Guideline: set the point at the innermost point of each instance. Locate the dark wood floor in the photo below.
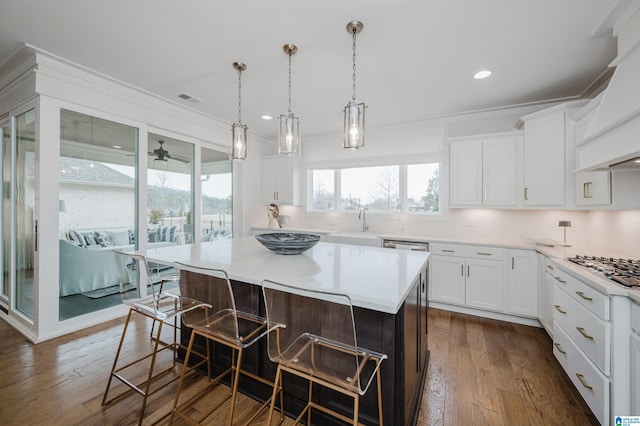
(481, 372)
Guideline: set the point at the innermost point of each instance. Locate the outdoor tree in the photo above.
(431, 201)
(385, 194)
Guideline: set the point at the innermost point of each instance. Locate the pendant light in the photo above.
(289, 136)
(353, 137)
(239, 130)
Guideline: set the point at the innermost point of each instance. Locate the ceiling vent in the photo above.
(187, 97)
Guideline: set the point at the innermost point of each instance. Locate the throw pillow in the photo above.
(152, 235)
(132, 237)
(89, 238)
(78, 238)
(119, 238)
(103, 239)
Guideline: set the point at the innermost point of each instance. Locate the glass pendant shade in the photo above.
(239, 130)
(239, 141)
(353, 137)
(289, 139)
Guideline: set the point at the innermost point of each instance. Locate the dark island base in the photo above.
(402, 337)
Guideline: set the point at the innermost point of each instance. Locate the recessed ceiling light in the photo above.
(482, 74)
(117, 147)
(267, 117)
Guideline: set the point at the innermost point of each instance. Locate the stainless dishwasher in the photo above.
(406, 245)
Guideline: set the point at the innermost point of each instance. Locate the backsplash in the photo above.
(615, 231)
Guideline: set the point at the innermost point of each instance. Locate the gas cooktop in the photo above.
(625, 272)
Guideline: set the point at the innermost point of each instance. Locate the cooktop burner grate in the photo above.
(625, 272)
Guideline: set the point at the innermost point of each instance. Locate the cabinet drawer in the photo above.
(635, 317)
(593, 300)
(590, 382)
(473, 252)
(589, 332)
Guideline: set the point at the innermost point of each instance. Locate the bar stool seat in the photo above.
(315, 339)
(219, 321)
(161, 307)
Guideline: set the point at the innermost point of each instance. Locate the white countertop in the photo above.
(374, 278)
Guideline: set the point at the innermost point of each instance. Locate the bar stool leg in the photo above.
(379, 382)
(236, 379)
(277, 387)
(185, 366)
(115, 361)
(150, 375)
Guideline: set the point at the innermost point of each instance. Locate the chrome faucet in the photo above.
(363, 215)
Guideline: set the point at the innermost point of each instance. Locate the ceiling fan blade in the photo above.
(178, 158)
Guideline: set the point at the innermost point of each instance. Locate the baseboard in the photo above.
(533, 322)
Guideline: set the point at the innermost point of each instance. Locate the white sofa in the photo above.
(90, 267)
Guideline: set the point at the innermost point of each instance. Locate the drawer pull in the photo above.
(583, 381)
(559, 310)
(550, 267)
(559, 348)
(448, 251)
(584, 333)
(483, 254)
(581, 294)
(560, 280)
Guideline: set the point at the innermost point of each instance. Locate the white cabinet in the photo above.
(593, 188)
(485, 282)
(583, 342)
(483, 171)
(281, 180)
(522, 288)
(635, 359)
(544, 158)
(470, 276)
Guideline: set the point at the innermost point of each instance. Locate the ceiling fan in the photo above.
(161, 154)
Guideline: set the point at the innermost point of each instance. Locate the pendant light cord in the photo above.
(239, 95)
(354, 66)
(289, 81)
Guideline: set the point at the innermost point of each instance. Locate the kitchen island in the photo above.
(388, 289)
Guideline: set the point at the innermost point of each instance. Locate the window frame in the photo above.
(402, 190)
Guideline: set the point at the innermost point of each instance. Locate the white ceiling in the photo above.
(415, 58)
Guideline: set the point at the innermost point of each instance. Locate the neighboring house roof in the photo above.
(76, 170)
(86, 171)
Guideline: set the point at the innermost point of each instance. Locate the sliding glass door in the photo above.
(97, 209)
(24, 220)
(5, 213)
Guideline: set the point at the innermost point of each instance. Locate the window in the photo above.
(217, 197)
(412, 188)
(322, 190)
(371, 188)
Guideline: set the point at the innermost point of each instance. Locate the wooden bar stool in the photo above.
(138, 291)
(219, 321)
(316, 340)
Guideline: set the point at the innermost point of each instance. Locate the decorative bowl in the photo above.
(288, 242)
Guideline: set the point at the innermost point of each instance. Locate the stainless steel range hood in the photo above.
(612, 140)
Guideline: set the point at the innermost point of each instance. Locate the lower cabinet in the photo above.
(485, 278)
(635, 359)
(467, 275)
(415, 342)
(523, 283)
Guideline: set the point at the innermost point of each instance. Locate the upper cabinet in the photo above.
(281, 180)
(544, 158)
(483, 171)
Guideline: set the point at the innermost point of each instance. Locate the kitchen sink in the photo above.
(355, 237)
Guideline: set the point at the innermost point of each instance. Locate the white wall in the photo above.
(617, 231)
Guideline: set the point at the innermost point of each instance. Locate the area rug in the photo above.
(115, 289)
